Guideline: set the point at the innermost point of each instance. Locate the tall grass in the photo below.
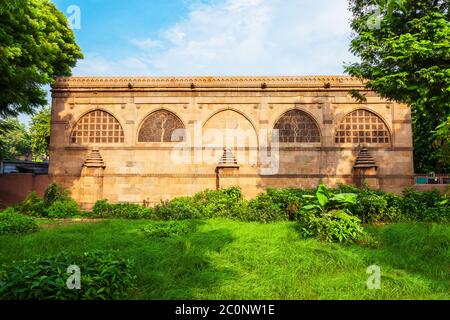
(224, 259)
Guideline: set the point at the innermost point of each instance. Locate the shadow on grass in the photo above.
(420, 248)
(181, 267)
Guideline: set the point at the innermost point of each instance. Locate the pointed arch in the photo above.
(97, 126)
(362, 126)
(159, 126)
(297, 126)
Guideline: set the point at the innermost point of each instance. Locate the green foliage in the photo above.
(103, 209)
(56, 204)
(63, 209)
(13, 223)
(168, 229)
(33, 206)
(407, 59)
(215, 203)
(55, 192)
(179, 209)
(14, 139)
(325, 200)
(331, 226)
(326, 216)
(427, 206)
(40, 134)
(36, 44)
(372, 206)
(103, 276)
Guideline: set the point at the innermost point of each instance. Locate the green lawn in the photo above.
(224, 259)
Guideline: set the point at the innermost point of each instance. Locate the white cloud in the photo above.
(96, 65)
(146, 44)
(245, 37)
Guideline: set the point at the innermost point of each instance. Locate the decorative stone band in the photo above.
(192, 83)
(213, 175)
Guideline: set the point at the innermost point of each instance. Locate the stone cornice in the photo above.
(192, 83)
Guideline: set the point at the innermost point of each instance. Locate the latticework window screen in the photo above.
(97, 127)
(297, 126)
(159, 127)
(362, 126)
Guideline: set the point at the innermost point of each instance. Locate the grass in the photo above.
(225, 259)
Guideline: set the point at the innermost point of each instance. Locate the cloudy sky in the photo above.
(211, 37)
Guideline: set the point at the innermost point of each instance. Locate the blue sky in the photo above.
(211, 37)
(215, 37)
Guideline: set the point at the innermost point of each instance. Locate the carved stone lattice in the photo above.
(362, 126)
(297, 126)
(97, 127)
(159, 127)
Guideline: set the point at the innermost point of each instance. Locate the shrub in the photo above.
(216, 203)
(53, 193)
(328, 218)
(262, 209)
(33, 205)
(427, 206)
(103, 209)
(13, 223)
(178, 209)
(56, 204)
(332, 226)
(168, 229)
(63, 209)
(103, 276)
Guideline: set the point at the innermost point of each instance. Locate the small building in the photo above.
(135, 139)
(16, 166)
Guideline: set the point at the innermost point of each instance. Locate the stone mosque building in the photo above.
(143, 140)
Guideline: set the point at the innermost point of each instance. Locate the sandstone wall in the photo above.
(137, 171)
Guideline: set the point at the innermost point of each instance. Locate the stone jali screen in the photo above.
(362, 126)
(97, 127)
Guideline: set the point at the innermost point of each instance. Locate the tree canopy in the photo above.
(406, 58)
(15, 140)
(40, 134)
(36, 45)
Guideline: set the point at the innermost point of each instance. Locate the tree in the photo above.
(40, 134)
(14, 140)
(405, 57)
(36, 45)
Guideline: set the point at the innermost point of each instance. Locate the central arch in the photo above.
(231, 129)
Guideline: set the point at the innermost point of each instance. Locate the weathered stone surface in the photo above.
(210, 113)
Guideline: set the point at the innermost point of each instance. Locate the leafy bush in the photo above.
(63, 209)
(427, 206)
(56, 204)
(262, 209)
(168, 229)
(53, 193)
(328, 218)
(13, 223)
(331, 226)
(103, 209)
(374, 206)
(178, 209)
(216, 203)
(33, 206)
(103, 276)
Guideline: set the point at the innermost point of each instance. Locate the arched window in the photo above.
(297, 126)
(97, 127)
(362, 126)
(159, 127)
